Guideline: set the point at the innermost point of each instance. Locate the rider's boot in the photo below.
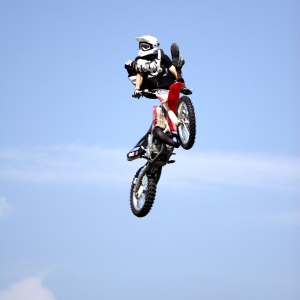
(178, 62)
(177, 58)
(138, 150)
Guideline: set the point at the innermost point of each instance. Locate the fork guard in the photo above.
(159, 134)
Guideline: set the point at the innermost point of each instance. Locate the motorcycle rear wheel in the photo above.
(141, 202)
(157, 175)
(186, 114)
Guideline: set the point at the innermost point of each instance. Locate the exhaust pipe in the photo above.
(159, 134)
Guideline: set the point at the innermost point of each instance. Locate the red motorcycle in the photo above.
(173, 125)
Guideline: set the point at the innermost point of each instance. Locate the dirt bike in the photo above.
(173, 125)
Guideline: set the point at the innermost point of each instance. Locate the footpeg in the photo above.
(171, 161)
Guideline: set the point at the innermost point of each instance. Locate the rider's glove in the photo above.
(186, 91)
(137, 93)
(130, 65)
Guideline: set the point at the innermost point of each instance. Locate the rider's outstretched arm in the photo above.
(139, 81)
(137, 93)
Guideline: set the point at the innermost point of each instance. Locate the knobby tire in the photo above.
(192, 122)
(149, 195)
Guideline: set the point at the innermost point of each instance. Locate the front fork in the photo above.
(138, 180)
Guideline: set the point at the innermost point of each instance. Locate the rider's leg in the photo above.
(177, 58)
(178, 62)
(166, 81)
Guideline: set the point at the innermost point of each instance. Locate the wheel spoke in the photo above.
(139, 198)
(186, 114)
(142, 201)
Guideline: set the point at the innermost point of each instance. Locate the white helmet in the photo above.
(147, 45)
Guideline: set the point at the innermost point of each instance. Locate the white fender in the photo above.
(173, 117)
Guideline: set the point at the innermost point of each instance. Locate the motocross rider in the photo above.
(153, 69)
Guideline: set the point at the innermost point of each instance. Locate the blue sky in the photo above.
(225, 222)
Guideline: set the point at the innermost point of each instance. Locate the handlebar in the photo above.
(149, 94)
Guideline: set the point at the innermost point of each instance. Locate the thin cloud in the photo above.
(27, 289)
(95, 164)
(63, 164)
(239, 169)
(5, 208)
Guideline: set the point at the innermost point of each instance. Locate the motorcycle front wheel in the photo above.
(187, 129)
(141, 201)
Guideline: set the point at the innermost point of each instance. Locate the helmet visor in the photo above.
(145, 46)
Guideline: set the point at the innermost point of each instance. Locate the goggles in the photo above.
(145, 46)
